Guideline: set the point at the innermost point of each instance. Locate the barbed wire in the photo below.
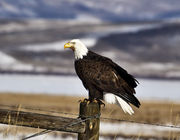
(37, 134)
(145, 123)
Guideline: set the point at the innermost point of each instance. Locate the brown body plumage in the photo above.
(100, 74)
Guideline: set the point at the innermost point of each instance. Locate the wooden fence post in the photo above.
(91, 125)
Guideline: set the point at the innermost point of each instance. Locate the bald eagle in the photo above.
(104, 79)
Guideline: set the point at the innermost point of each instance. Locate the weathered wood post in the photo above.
(92, 125)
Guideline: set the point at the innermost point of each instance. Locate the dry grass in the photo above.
(150, 112)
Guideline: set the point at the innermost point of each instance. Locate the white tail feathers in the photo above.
(125, 106)
(113, 99)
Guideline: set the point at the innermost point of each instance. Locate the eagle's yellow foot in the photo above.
(95, 100)
(100, 102)
(84, 100)
(88, 101)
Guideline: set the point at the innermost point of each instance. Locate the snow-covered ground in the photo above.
(72, 86)
(133, 129)
(106, 128)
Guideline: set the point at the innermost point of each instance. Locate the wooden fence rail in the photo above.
(87, 129)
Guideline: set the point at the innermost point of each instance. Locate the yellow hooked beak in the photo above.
(68, 45)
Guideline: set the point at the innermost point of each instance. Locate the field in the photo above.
(149, 112)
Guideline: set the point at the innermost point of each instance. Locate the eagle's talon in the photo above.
(95, 100)
(101, 102)
(85, 100)
(88, 102)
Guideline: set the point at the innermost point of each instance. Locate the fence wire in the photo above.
(145, 123)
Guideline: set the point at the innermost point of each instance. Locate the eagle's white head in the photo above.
(78, 47)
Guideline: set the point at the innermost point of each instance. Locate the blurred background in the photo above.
(142, 36)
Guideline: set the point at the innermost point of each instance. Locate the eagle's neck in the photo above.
(80, 51)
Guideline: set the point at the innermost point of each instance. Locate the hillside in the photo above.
(145, 49)
(154, 52)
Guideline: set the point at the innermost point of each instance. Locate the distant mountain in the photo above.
(91, 10)
(151, 45)
(147, 49)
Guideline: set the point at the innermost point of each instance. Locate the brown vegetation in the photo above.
(149, 112)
